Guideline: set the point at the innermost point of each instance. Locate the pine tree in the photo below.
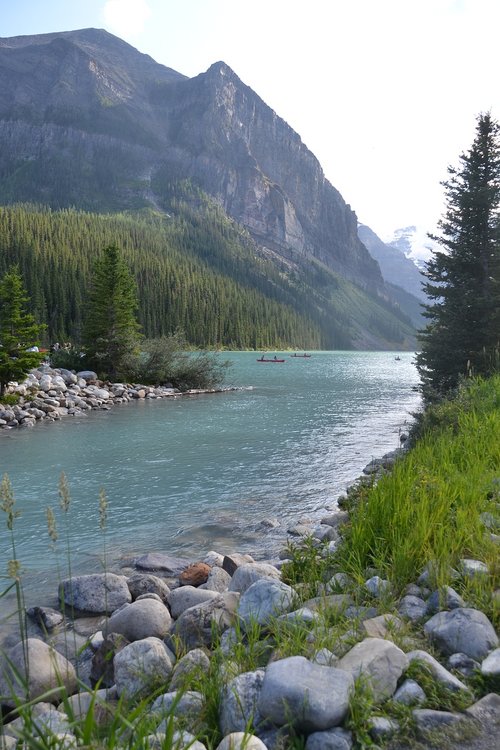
(19, 331)
(111, 330)
(464, 281)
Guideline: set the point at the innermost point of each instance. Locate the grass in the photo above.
(430, 509)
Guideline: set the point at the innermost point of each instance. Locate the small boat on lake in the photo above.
(302, 356)
(273, 359)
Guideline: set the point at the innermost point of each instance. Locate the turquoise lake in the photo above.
(196, 473)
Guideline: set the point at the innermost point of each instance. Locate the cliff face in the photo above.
(87, 120)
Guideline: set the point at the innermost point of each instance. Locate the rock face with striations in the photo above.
(127, 124)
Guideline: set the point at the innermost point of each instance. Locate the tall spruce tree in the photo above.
(464, 281)
(111, 330)
(19, 331)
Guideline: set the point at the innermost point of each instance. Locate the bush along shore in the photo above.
(52, 393)
(378, 629)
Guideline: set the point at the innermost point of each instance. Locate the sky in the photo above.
(385, 93)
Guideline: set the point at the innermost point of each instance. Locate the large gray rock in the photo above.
(427, 720)
(264, 600)
(241, 741)
(141, 667)
(188, 596)
(409, 693)
(239, 704)
(218, 580)
(246, 574)
(190, 668)
(490, 667)
(152, 561)
(444, 598)
(96, 593)
(439, 673)
(141, 619)
(380, 661)
(333, 739)
(146, 583)
(187, 705)
(463, 630)
(87, 375)
(198, 625)
(306, 695)
(47, 670)
(412, 608)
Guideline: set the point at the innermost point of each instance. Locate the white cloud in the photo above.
(126, 18)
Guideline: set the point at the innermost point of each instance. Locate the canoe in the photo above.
(261, 359)
(301, 356)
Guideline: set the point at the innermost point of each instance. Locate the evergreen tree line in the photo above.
(195, 270)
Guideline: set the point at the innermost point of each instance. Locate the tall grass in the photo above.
(429, 508)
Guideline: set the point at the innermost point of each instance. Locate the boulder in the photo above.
(444, 598)
(264, 600)
(141, 667)
(490, 667)
(239, 703)
(172, 566)
(427, 720)
(305, 695)
(188, 706)
(333, 739)
(380, 661)
(45, 617)
(47, 670)
(87, 375)
(465, 630)
(198, 625)
(195, 574)
(102, 662)
(439, 673)
(141, 619)
(241, 741)
(409, 693)
(234, 560)
(188, 596)
(248, 573)
(97, 592)
(218, 580)
(190, 668)
(145, 583)
(412, 608)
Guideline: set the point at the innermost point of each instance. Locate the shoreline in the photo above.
(50, 394)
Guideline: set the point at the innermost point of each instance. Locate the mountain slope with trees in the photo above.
(196, 271)
(87, 122)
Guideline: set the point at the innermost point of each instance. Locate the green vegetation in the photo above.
(111, 331)
(429, 508)
(195, 271)
(18, 331)
(463, 335)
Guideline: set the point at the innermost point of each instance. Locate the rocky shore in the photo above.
(51, 394)
(155, 630)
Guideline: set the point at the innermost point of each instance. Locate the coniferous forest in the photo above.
(196, 271)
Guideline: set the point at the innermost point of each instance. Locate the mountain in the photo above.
(414, 244)
(88, 122)
(396, 267)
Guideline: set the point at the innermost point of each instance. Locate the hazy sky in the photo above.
(384, 92)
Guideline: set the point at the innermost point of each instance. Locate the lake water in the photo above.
(196, 473)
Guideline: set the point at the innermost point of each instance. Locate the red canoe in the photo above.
(261, 359)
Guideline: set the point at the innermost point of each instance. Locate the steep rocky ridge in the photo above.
(86, 120)
(395, 266)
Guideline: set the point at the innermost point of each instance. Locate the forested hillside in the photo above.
(197, 271)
